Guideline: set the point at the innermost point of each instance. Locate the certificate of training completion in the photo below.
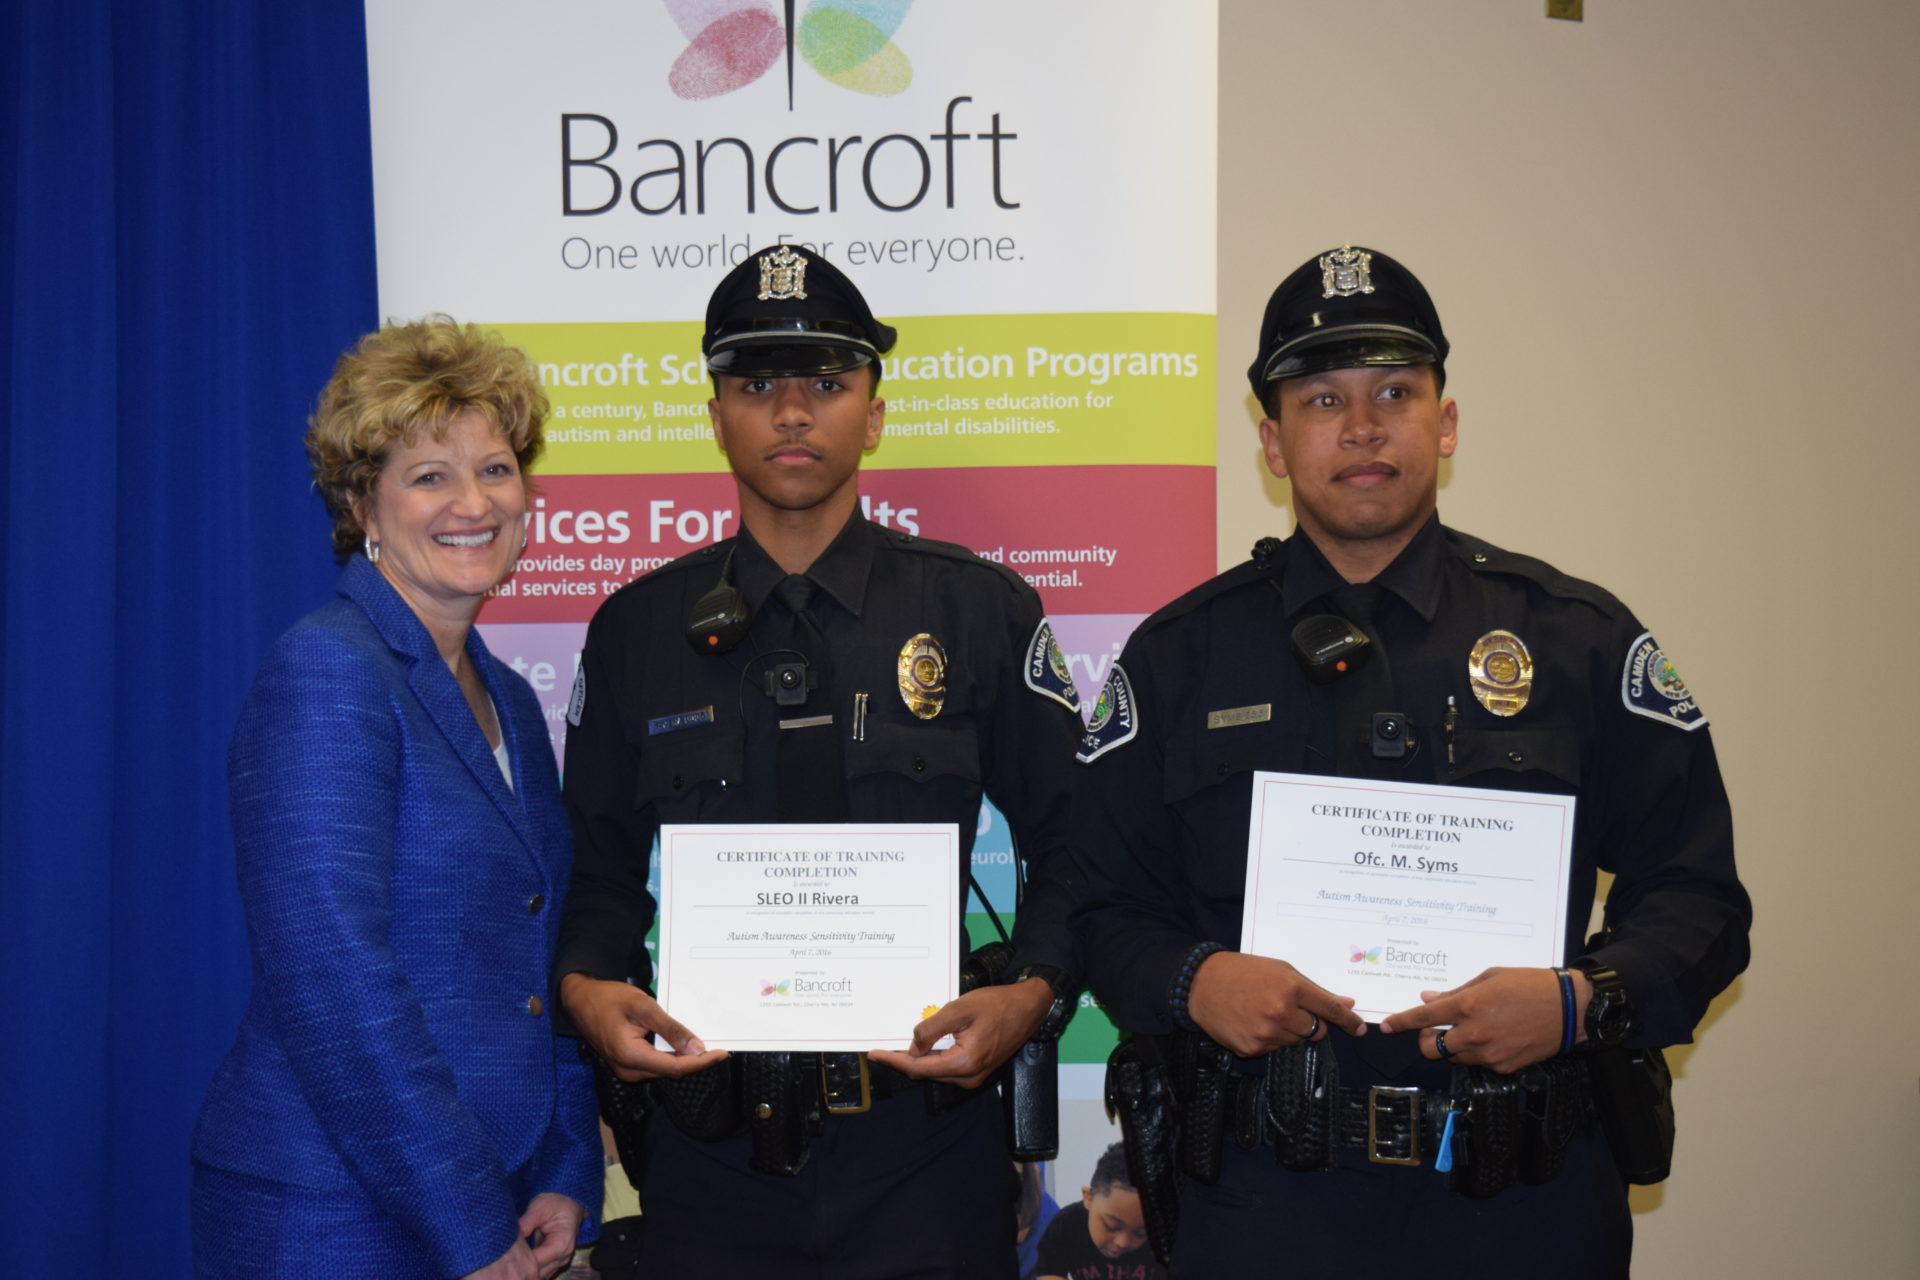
(781, 936)
(1382, 890)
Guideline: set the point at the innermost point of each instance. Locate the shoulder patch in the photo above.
(1116, 718)
(1651, 687)
(577, 703)
(1047, 672)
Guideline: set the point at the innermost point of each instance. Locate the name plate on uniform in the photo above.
(830, 937)
(1382, 890)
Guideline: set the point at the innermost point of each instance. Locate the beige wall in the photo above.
(1677, 250)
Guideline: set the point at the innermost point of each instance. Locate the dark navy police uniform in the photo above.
(665, 734)
(1167, 802)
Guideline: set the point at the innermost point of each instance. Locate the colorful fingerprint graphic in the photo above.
(732, 43)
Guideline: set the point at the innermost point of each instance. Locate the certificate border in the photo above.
(1566, 804)
(669, 833)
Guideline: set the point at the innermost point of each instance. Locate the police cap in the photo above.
(786, 313)
(1348, 307)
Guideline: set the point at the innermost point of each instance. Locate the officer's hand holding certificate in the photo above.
(833, 937)
(1385, 890)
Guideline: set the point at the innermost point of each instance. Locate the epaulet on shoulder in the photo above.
(953, 551)
(1483, 557)
(1265, 567)
(709, 556)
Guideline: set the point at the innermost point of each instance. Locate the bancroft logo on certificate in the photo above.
(795, 937)
(1382, 890)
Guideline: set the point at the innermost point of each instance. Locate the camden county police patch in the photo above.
(1115, 718)
(1047, 668)
(1651, 687)
(577, 704)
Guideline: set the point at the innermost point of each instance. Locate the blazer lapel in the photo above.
(439, 693)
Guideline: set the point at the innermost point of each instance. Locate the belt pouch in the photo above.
(1633, 1094)
(1203, 1121)
(623, 1106)
(1302, 1092)
(704, 1105)
(1487, 1137)
(1552, 1105)
(780, 1093)
(1030, 1098)
(1140, 1096)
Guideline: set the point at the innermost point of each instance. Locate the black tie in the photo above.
(807, 760)
(1356, 602)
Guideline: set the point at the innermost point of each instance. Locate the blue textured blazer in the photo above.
(402, 906)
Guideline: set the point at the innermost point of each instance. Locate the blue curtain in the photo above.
(186, 243)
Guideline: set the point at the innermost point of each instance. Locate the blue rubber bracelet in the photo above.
(1566, 1010)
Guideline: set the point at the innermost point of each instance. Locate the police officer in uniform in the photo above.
(816, 668)
(1469, 1135)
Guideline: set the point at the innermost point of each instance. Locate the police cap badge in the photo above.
(785, 313)
(1346, 308)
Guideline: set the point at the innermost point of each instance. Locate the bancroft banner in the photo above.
(991, 174)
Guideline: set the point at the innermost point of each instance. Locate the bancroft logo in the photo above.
(806, 986)
(1392, 955)
(732, 43)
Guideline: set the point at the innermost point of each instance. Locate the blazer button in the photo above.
(535, 903)
(919, 764)
(677, 783)
(536, 1006)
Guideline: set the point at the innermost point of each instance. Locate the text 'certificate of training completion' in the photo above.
(785, 936)
(1382, 890)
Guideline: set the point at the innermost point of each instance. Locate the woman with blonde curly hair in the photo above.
(396, 1103)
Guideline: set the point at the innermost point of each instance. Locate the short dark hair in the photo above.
(1110, 1170)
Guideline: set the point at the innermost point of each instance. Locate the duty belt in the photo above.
(1504, 1128)
(1180, 1098)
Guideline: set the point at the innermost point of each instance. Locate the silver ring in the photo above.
(1313, 1030)
(1440, 1043)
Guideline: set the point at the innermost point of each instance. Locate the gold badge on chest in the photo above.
(923, 676)
(1501, 671)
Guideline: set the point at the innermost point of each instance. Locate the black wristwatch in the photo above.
(1610, 1017)
(1065, 995)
